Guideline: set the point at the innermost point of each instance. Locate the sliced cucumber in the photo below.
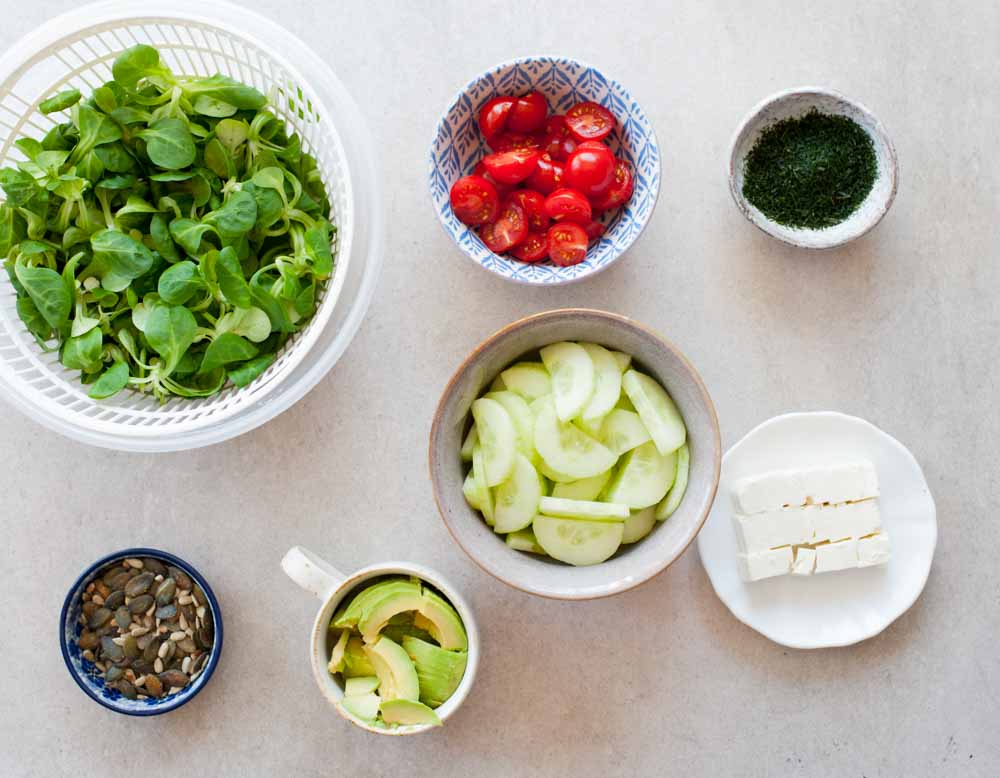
(676, 493)
(656, 410)
(568, 450)
(582, 509)
(520, 414)
(517, 498)
(584, 489)
(572, 373)
(524, 540)
(607, 385)
(643, 477)
(485, 497)
(639, 524)
(578, 542)
(497, 439)
(529, 379)
(471, 491)
(623, 360)
(625, 403)
(554, 475)
(623, 430)
(471, 439)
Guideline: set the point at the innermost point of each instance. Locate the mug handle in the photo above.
(312, 573)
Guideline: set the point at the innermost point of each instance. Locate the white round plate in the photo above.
(831, 609)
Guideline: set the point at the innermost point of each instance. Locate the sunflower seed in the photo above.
(158, 665)
(185, 599)
(139, 682)
(164, 649)
(102, 588)
(136, 563)
(97, 599)
(186, 664)
(179, 635)
(137, 632)
(88, 655)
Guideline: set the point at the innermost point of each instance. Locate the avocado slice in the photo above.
(438, 671)
(362, 706)
(337, 655)
(392, 600)
(408, 712)
(442, 621)
(396, 673)
(366, 599)
(364, 684)
(401, 625)
(356, 662)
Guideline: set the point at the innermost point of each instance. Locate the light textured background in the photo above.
(902, 328)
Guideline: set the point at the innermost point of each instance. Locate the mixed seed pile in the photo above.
(147, 628)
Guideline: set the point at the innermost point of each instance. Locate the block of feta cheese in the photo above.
(844, 520)
(847, 482)
(765, 564)
(873, 550)
(805, 561)
(773, 528)
(837, 556)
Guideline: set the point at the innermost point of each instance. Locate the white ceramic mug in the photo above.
(331, 586)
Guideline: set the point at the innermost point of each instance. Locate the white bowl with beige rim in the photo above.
(331, 586)
(793, 103)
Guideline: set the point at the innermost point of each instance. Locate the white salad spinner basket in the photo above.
(195, 38)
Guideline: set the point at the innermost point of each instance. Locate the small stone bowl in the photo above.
(798, 102)
(88, 677)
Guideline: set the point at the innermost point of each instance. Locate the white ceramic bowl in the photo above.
(831, 609)
(632, 564)
(798, 102)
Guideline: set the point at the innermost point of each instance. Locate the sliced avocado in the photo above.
(356, 662)
(337, 655)
(356, 609)
(362, 706)
(401, 625)
(438, 671)
(365, 684)
(442, 622)
(396, 673)
(393, 600)
(408, 712)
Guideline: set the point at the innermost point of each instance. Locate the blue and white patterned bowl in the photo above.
(88, 677)
(458, 145)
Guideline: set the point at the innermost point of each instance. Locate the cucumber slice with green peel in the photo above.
(639, 524)
(582, 509)
(485, 497)
(578, 542)
(497, 439)
(656, 410)
(524, 540)
(520, 414)
(607, 385)
(362, 706)
(676, 493)
(567, 449)
(405, 712)
(470, 442)
(584, 489)
(366, 684)
(554, 475)
(516, 499)
(622, 431)
(471, 491)
(528, 379)
(623, 360)
(572, 372)
(337, 655)
(643, 477)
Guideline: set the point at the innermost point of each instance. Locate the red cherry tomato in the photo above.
(559, 144)
(594, 229)
(590, 169)
(589, 121)
(511, 167)
(533, 204)
(493, 116)
(567, 244)
(547, 176)
(568, 205)
(515, 141)
(509, 229)
(474, 200)
(620, 191)
(503, 190)
(528, 113)
(533, 248)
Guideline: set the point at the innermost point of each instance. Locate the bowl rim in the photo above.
(766, 225)
(655, 178)
(163, 556)
(607, 590)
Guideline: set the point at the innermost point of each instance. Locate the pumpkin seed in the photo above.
(113, 674)
(183, 579)
(155, 566)
(111, 650)
(101, 617)
(199, 596)
(165, 591)
(114, 600)
(174, 678)
(139, 585)
(153, 685)
(187, 645)
(88, 640)
(152, 649)
(97, 599)
(102, 588)
(142, 666)
(123, 618)
(131, 647)
(140, 604)
(89, 609)
(126, 689)
(166, 611)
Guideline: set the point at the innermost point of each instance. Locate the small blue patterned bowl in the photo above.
(88, 677)
(458, 145)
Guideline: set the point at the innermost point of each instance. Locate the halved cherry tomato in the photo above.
(589, 121)
(594, 229)
(509, 229)
(590, 169)
(533, 204)
(559, 144)
(528, 113)
(568, 205)
(474, 200)
(503, 190)
(515, 141)
(534, 248)
(567, 244)
(493, 116)
(547, 176)
(511, 167)
(620, 191)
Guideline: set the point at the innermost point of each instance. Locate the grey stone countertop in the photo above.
(901, 328)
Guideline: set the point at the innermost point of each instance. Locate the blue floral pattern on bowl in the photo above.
(458, 145)
(88, 676)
